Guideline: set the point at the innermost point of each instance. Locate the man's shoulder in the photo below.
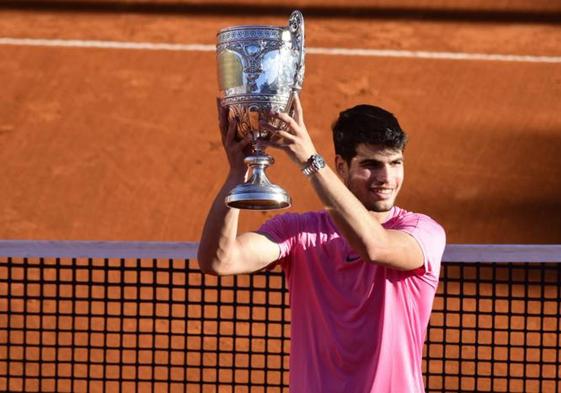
(300, 222)
(403, 219)
(301, 216)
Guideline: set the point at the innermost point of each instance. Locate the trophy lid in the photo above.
(248, 27)
(260, 31)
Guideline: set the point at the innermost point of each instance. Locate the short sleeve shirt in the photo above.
(356, 326)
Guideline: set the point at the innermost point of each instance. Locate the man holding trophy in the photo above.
(363, 272)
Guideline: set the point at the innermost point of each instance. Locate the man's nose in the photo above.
(382, 174)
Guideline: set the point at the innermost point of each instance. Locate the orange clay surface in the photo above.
(115, 144)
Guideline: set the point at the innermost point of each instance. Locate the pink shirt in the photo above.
(356, 327)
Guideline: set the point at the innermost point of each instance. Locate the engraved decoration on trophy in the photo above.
(260, 68)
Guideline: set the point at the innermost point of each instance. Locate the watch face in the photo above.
(315, 163)
(319, 161)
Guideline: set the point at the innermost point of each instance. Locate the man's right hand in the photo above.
(235, 149)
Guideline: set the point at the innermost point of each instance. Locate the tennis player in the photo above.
(362, 273)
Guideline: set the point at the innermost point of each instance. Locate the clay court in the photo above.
(108, 131)
(121, 143)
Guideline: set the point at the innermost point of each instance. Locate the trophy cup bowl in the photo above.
(260, 68)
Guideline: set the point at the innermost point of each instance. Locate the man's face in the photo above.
(374, 176)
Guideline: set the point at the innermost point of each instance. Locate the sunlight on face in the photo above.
(375, 176)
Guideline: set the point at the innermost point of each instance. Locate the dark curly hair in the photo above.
(366, 124)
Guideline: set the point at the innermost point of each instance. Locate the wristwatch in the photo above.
(314, 164)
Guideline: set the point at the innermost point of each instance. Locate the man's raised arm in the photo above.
(221, 250)
(362, 230)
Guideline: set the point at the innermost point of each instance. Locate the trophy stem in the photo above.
(258, 193)
(258, 163)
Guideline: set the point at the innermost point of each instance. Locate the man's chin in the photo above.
(381, 207)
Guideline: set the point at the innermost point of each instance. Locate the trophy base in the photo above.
(258, 197)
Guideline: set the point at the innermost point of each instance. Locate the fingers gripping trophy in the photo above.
(260, 69)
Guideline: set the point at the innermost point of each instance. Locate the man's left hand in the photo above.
(295, 139)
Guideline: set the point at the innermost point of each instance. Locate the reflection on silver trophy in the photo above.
(260, 68)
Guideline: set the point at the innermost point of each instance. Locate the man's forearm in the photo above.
(363, 232)
(220, 230)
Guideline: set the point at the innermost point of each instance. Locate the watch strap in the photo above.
(313, 165)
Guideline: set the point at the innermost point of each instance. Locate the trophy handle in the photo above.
(296, 27)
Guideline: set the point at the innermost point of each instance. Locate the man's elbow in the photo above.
(205, 261)
(213, 265)
(207, 269)
(395, 259)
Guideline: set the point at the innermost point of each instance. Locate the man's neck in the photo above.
(382, 217)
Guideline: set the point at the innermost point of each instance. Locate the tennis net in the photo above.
(140, 317)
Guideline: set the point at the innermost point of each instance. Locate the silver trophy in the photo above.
(260, 68)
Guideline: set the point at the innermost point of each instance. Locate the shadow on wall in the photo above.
(503, 189)
(537, 15)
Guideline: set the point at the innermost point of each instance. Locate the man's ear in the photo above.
(341, 167)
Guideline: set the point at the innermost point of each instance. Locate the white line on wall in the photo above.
(312, 51)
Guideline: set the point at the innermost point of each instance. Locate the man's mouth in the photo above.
(383, 192)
